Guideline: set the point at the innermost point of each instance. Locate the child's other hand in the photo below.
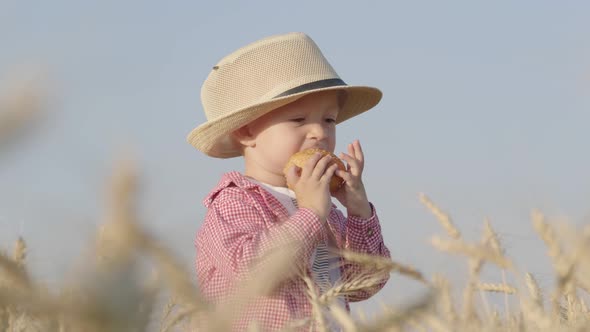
(312, 186)
(352, 194)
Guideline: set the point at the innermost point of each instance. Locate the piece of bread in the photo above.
(299, 159)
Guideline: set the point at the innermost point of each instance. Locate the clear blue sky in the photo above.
(485, 109)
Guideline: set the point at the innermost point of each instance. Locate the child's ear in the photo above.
(244, 136)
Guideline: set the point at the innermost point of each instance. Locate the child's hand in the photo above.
(352, 193)
(312, 186)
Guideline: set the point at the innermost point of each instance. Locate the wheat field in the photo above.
(132, 282)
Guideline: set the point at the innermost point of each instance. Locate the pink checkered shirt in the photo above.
(243, 219)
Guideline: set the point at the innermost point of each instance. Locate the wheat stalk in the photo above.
(318, 316)
(444, 299)
(381, 264)
(14, 272)
(343, 318)
(398, 319)
(547, 234)
(350, 286)
(442, 217)
(18, 109)
(473, 251)
(497, 288)
(534, 289)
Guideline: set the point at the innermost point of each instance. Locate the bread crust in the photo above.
(299, 159)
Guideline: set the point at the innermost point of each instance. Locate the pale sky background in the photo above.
(485, 109)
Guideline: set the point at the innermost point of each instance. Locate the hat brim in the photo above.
(214, 137)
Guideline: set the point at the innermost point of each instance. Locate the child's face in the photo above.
(309, 122)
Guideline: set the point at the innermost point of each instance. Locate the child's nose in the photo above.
(318, 131)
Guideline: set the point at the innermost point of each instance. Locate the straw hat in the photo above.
(261, 77)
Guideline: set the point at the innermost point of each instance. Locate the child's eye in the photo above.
(330, 120)
(298, 120)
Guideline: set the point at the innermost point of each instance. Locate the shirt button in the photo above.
(369, 231)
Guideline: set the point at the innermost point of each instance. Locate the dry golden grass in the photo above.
(114, 293)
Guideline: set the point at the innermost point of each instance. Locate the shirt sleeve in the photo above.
(236, 233)
(364, 236)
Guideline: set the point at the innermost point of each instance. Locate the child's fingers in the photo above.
(350, 150)
(346, 157)
(354, 166)
(358, 151)
(321, 166)
(329, 173)
(347, 177)
(310, 165)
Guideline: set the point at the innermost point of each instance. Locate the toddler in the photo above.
(263, 103)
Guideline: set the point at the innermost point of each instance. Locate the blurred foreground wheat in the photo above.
(114, 292)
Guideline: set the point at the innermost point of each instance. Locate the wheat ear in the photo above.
(443, 218)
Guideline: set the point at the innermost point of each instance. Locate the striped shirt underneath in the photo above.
(320, 265)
